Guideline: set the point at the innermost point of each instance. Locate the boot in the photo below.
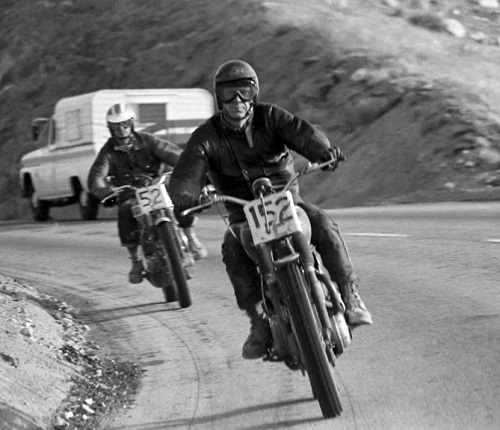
(260, 335)
(194, 245)
(135, 275)
(356, 313)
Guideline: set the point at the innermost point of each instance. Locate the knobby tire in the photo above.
(168, 239)
(308, 331)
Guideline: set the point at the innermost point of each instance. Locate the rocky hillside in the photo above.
(409, 89)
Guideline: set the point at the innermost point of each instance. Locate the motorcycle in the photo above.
(303, 305)
(167, 261)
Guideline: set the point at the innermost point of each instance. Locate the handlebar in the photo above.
(116, 192)
(148, 180)
(215, 198)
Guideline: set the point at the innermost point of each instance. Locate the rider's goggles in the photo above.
(120, 125)
(245, 91)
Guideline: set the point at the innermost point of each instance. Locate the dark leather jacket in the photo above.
(232, 163)
(146, 157)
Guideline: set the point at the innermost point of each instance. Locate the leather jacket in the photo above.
(232, 162)
(147, 156)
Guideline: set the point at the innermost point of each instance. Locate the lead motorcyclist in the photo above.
(129, 156)
(246, 140)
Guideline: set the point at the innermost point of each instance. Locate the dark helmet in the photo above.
(235, 70)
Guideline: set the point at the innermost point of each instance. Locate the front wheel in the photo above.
(89, 206)
(166, 232)
(308, 330)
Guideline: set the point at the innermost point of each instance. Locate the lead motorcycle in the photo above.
(301, 302)
(167, 261)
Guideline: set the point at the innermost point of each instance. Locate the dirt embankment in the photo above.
(52, 376)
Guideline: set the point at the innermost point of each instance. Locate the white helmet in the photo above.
(120, 112)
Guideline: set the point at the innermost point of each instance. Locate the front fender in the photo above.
(162, 218)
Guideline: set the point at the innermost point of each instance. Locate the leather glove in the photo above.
(186, 201)
(335, 153)
(103, 192)
(109, 202)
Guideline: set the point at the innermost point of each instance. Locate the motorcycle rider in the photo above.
(246, 140)
(129, 156)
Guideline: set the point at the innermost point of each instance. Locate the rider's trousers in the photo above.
(326, 238)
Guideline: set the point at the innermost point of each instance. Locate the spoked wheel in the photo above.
(170, 293)
(309, 335)
(88, 204)
(39, 208)
(168, 239)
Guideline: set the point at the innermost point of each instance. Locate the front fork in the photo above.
(299, 249)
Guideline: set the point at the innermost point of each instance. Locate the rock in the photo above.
(478, 36)
(454, 27)
(450, 185)
(482, 142)
(14, 362)
(27, 332)
(87, 409)
(490, 4)
(392, 3)
(489, 156)
(60, 423)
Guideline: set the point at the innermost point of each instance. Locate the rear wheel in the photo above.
(39, 208)
(309, 336)
(168, 239)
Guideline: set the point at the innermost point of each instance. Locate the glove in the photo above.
(333, 153)
(102, 193)
(109, 202)
(185, 201)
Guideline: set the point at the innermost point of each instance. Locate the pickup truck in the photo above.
(56, 173)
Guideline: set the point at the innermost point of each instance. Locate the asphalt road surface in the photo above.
(430, 275)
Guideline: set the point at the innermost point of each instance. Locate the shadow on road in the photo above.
(214, 419)
(112, 314)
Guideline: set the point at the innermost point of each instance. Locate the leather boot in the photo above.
(356, 312)
(260, 335)
(195, 246)
(135, 276)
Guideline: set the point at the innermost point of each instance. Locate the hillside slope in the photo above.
(416, 111)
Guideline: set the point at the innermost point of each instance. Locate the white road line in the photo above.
(377, 234)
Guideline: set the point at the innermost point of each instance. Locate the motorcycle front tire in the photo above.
(168, 240)
(309, 336)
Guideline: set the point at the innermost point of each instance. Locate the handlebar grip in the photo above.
(196, 209)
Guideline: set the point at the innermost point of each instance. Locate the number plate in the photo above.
(153, 197)
(282, 218)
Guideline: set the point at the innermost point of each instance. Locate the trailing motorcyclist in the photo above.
(243, 141)
(129, 156)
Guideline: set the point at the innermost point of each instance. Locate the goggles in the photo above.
(245, 91)
(122, 124)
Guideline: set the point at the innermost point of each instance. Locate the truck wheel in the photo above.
(89, 205)
(39, 208)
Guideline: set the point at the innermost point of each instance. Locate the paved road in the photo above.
(430, 275)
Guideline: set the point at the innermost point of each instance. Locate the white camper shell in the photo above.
(56, 174)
